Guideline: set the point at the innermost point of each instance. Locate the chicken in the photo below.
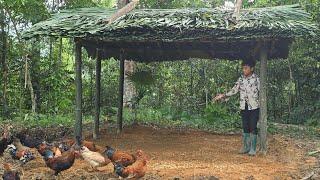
(119, 157)
(4, 142)
(9, 174)
(28, 141)
(63, 162)
(95, 159)
(45, 146)
(60, 163)
(136, 170)
(20, 152)
(67, 143)
(22, 155)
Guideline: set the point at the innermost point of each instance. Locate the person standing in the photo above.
(248, 85)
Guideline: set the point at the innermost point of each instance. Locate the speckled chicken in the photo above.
(20, 152)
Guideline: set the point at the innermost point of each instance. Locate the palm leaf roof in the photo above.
(178, 24)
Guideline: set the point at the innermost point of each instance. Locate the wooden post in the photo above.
(263, 98)
(121, 83)
(78, 81)
(97, 98)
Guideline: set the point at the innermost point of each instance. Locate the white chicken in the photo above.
(95, 159)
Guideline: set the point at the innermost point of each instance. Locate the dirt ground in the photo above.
(188, 155)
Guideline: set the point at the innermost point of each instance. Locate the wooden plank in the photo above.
(97, 98)
(78, 82)
(121, 90)
(263, 98)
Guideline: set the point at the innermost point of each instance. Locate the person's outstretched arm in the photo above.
(232, 92)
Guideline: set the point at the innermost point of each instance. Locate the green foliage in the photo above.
(219, 117)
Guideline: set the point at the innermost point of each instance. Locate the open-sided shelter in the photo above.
(148, 35)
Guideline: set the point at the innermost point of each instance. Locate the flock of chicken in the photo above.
(60, 155)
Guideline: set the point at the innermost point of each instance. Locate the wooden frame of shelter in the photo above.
(161, 35)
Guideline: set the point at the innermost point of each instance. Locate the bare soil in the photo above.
(187, 154)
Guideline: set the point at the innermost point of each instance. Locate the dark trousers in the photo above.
(249, 120)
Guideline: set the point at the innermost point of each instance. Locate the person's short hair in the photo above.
(249, 62)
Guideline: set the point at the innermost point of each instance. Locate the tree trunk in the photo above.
(35, 74)
(129, 89)
(4, 66)
(28, 83)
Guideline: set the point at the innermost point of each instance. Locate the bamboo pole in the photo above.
(263, 99)
(97, 98)
(78, 82)
(121, 90)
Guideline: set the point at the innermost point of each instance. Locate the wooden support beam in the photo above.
(236, 12)
(123, 11)
(78, 81)
(263, 98)
(121, 90)
(97, 98)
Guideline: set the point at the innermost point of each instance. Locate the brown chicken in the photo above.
(10, 174)
(136, 170)
(60, 163)
(119, 157)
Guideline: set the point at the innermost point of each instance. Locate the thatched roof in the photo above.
(158, 29)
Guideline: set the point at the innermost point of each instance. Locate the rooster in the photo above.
(9, 174)
(119, 157)
(136, 170)
(95, 159)
(63, 162)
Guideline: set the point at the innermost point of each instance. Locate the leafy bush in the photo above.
(218, 116)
